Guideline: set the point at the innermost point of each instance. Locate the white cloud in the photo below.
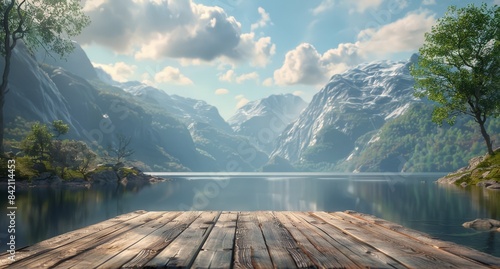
(241, 101)
(406, 34)
(430, 2)
(268, 82)
(172, 29)
(221, 91)
(298, 93)
(264, 19)
(301, 66)
(171, 74)
(259, 51)
(119, 71)
(325, 5)
(248, 76)
(305, 65)
(230, 76)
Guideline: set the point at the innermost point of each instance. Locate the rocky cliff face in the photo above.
(351, 105)
(186, 109)
(41, 92)
(262, 121)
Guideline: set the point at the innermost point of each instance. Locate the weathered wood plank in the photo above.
(111, 248)
(213, 259)
(66, 238)
(137, 255)
(356, 251)
(297, 230)
(184, 249)
(218, 249)
(451, 247)
(73, 249)
(250, 249)
(248, 240)
(144, 250)
(408, 252)
(281, 245)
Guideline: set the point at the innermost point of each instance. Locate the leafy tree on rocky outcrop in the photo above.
(459, 66)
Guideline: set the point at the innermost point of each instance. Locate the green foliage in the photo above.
(459, 64)
(412, 143)
(38, 141)
(71, 154)
(66, 157)
(59, 128)
(45, 23)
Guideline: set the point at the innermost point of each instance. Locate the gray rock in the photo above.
(482, 224)
(486, 183)
(46, 179)
(452, 178)
(104, 177)
(495, 186)
(464, 184)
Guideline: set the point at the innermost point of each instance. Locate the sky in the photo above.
(230, 52)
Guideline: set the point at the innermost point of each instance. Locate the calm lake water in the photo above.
(414, 201)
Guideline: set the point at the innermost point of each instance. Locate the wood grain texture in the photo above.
(184, 249)
(205, 239)
(66, 238)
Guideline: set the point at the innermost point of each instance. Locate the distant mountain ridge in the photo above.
(97, 108)
(263, 120)
(352, 104)
(364, 120)
(186, 109)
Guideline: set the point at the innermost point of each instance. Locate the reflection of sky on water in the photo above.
(412, 201)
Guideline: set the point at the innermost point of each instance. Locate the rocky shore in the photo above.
(101, 175)
(482, 171)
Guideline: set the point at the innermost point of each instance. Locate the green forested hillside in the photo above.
(413, 143)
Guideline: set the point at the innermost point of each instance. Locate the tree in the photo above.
(59, 128)
(45, 23)
(72, 154)
(38, 141)
(459, 66)
(120, 150)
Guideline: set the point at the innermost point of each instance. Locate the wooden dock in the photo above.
(268, 239)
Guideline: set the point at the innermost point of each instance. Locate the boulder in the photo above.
(482, 224)
(103, 176)
(46, 179)
(452, 178)
(495, 186)
(486, 183)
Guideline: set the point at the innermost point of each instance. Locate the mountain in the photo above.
(413, 143)
(96, 113)
(75, 62)
(352, 104)
(32, 94)
(186, 109)
(264, 120)
(227, 152)
(99, 110)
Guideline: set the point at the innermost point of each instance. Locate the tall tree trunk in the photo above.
(486, 136)
(6, 69)
(3, 92)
